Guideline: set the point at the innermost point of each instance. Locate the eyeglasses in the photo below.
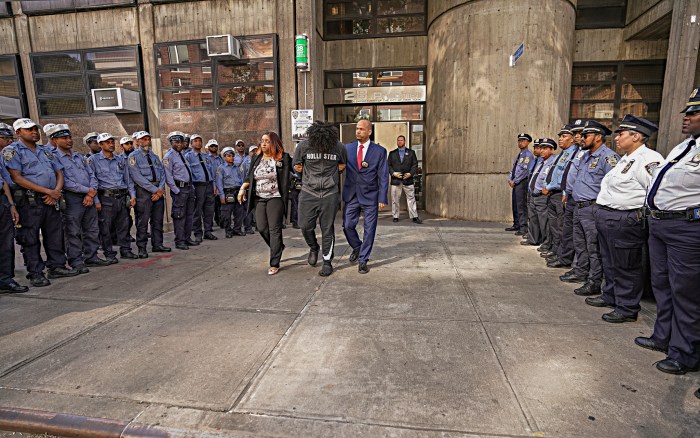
(692, 113)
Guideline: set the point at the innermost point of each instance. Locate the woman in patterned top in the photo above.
(267, 187)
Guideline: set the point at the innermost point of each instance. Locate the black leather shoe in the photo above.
(295, 226)
(417, 220)
(142, 253)
(182, 246)
(362, 268)
(13, 288)
(161, 248)
(672, 366)
(128, 255)
(61, 272)
(97, 262)
(588, 288)
(519, 233)
(395, 219)
(557, 264)
(191, 242)
(238, 233)
(598, 302)
(37, 279)
(326, 270)
(112, 260)
(210, 236)
(81, 268)
(546, 255)
(514, 228)
(229, 235)
(527, 242)
(650, 344)
(313, 257)
(617, 318)
(572, 278)
(697, 393)
(525, 236)
(251, 231)
(355, 255)
(542, 249)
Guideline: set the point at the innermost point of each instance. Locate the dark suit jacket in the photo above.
(282, 179)
(370, 183)
(409, 165)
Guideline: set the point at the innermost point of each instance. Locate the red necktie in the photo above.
(359, 157)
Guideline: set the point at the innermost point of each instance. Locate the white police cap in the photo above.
(141, 134)
(104, 137)
(55, 130)
(126, 140)
(24, 123)
(176, 134)
(212, 142)
(193, 136)
(227, 150)
(47, 127)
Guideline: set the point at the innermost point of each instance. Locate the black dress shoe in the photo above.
(542, 249)
(355, 255)
(588, 288)
(395, 219)
(362, 268)
(238, 233)
(13, 288)
(672, 366)
(527, 242)
(326, 270)
(198, 239)
(229, 235)
(573, 278)
(182, 246)
(598, 302)
(128, 255)
(81, 268)
(161, 248)
(650, 344)
(142, 253)
(525, 236)
(37, 279)
(210, 236)
(295, 226)
(251, 231)
(617, 318)
(313, 257)
(557, 264)
(61, 272)
(519, 233)
(513, 228)
(112, 260)
(417, 220)
(546, 255)
(97, 262)
(191, 242)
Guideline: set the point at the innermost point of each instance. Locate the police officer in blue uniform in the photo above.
(9, 217)
(540, 199)
(212, 147)
(117, 197)
(517, 180)
(39, 180)
(674, 239)
(147, 173)
(80, 223)
(178, 176)
(229, 180)
(203, 173)
(90, 141)
(50, 143)
(593, 166)
(533, 235)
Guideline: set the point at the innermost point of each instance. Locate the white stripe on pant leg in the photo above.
(411, 200)
(395, 200)
(327, 257)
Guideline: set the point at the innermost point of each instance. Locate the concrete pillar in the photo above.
(24, 48)
(681, 67)
(477, 103)
(310, 84)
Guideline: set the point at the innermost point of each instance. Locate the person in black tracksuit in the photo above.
(320, 159)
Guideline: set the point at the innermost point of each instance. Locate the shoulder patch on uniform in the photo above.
(166, 161)
(628, 167)
(132, 161)
(594, 163)
(611, 160)
(695, 160)
(527, 160)
(8, 154)
(218, 171)
(651, 167)
(580, 154)
(521, 160)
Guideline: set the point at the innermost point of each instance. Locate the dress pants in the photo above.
(36, 218)
(586, 244)
(565, 252)
(351, 217)
(182, 212)
(114, 213)
(80, 228)
(534, 233)
(148, 211)
(7, 243)
(541, 203)
(555, 214)
(514, 207)
(203, 209)
(269, 216)
(410, 200)
(521, 199)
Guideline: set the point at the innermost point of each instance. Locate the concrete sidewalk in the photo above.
(457, 330)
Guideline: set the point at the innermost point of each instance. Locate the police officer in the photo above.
(178, 176)
(90, 141)
(212, 147)
(540, 199)
(9, 217)
(594, 165)
(50, 144)
(6, 138)
(242, 161)
(553, 189)
(533, 235)
(80, 224)
(148, 175)
(40, 180)
(229, 180)
(517, 180)
(117, 197)
(127, 145)
(674, 239)
(620, 221)
(202, 167)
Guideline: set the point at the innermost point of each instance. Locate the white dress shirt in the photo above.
(625, 186)
(680, 186)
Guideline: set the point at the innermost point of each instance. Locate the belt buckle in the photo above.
(693, 214)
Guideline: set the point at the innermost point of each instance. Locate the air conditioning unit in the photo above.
(10, 108)
(223, 45)
(116, 100)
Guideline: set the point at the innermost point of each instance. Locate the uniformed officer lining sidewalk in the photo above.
(457, 328)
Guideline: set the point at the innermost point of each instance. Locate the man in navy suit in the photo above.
(365, 189)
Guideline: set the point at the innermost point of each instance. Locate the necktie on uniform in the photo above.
(670, 164)
(566, 169)
(201, 163)
(189, 172)
(153, 171)
(548, 179)
(359, 156)
(515, 164)
(535, 175)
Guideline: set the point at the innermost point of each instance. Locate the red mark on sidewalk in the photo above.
(146, 263)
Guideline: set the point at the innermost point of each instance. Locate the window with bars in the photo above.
(345, 19)
(11, 84)
(375, 78)
(599, 14)
(64, 80)
(39, 7)
(188, 79)
(608, 91)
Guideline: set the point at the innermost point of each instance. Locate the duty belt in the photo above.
(201, 183)
(182, 183)
(232, 190)
(691, 214)
(113, 193)
(71, 192)
(584, 204)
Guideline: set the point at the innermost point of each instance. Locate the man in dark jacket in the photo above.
(403, 164)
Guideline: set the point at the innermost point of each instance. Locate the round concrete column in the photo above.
(477, 104)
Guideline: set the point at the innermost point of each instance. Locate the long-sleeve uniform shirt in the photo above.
(591, 170)
(142, 172)
(198, 162)
(111, 174)
(540, 182)
(679, 188)
(625, 186)
(78, 176)
(38, 167)
(573, 172)
(521, 166)
(565, 157)
(176, 169)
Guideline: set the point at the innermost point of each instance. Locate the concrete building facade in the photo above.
(436, 71)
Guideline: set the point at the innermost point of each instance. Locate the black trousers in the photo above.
(47, 220)
(565, 253)
(81, 229)
(7, 243)
(233, 214)
(514, 207)
(294, 206)
(520, 191)
(323, 210)
(148, 211)
(114, 213)
(182, 213)
(203, 209)
(555, 222)
(269, 216)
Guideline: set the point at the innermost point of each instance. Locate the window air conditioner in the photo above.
(10, 108)
(223, 45)
(116, 100)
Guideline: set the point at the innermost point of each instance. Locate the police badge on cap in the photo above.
(693, 102)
